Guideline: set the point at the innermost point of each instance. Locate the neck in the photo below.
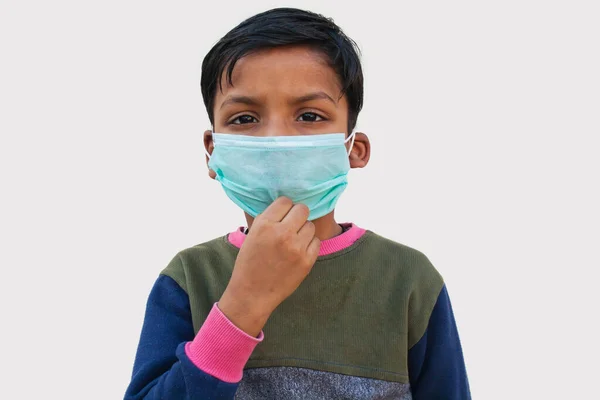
(325, 227)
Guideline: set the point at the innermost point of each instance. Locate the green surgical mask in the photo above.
(309, 169)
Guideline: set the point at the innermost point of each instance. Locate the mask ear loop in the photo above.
(351, 137)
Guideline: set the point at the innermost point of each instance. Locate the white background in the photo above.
(484, 119)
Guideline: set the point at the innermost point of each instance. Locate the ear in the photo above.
(209, 146)
(361, 151)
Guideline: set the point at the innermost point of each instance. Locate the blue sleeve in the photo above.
(436, 365)
(161, 369)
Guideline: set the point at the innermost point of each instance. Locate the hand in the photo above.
(279, 252)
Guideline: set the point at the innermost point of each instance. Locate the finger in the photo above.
(313, 249)
(278, 209)
(306, 233)
(296, 217)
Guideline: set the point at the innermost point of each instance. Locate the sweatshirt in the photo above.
(372, 320)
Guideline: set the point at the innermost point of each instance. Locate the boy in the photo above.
(296, 306)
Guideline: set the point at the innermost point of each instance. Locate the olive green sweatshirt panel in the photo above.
(358, 311)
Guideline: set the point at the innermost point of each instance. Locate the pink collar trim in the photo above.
(328, 246)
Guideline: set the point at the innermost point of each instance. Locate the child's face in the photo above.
(284, 91)
(281, 91)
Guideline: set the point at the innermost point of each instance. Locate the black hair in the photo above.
(285, 27)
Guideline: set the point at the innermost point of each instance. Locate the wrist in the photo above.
(250, 318)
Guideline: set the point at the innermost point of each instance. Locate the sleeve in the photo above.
(172, 363)
(435, 363)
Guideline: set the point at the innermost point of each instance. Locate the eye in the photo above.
(310, 117)
(244, 119)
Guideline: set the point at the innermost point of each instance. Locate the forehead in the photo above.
(281, 71)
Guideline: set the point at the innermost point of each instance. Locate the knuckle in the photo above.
(292, 251)
(258, 220)
(286, 201)
(295, 250)
(268, 229)
(302, 208)
(260, 224)
(284, 236)
(265, 229)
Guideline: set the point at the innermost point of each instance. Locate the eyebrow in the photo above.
(241, 100)
(313, 96)
(302, 99)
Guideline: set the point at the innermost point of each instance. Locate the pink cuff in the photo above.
(220, 348)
